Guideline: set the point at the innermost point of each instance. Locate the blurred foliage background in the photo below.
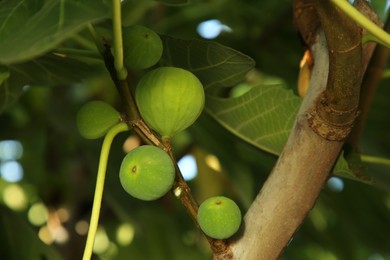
(48, 171)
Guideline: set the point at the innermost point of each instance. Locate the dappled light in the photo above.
(188, 167)
(335, 184)
(102, 242)
(210, 92)
(15, 197)
(10, 150)
(125, 234)
(10, 168)
(11, 171)
(211, 29)
(81, 227)
(38, 214)
(213, 162)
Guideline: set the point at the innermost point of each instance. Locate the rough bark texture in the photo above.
(304, 165)
(295, 182)
(334, 94)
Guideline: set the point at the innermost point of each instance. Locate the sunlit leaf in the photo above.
(263, 116)
(214, 64)
(31, 28)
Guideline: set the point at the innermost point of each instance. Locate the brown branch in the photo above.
(295, 182)
(133, 118)
(309, 155)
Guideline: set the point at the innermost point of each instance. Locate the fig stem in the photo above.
(117, 40)
(101, 175)
(186, 198)
(135, 121)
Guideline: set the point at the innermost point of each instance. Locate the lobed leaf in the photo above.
(214, 64)
(30, 28)
(263, 116)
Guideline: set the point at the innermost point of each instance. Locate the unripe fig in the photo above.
(147, 172)
(142, 47)
(170, 99)
(219, 217)
(95, 118)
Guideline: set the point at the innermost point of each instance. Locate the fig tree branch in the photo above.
(311, 150)
(295, 182)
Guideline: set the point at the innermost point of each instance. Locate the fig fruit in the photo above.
(147, 172)
(169, 99)
(219, 217)
(95, 118)
(142, 47)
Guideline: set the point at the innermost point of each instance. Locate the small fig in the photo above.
(142, 47)
(219, 217)
(169, 99)
(147, 172)
(95, 118)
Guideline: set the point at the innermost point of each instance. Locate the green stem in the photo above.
(346, 7)
(182, 191)
(374, 159)
(117, 40)
(97, 200)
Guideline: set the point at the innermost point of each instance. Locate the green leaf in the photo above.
(19, 241)
(214, 64)
(48, 70)
(30, 28)
(263, 116)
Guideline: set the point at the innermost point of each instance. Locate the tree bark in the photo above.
(295, 182)
(303, 167)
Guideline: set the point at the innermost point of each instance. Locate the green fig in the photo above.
(142, 47)
(95, 118)
(147, 173)
(170, 99)
(219, 217)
